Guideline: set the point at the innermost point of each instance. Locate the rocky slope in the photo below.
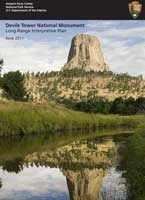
(110, 86)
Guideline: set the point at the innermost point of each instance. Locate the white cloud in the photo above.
(99, 23)
(128, 32)
(32, 55)
(126, 59)
(33, 182)
(124, 49)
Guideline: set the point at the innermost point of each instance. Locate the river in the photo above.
(76, 167)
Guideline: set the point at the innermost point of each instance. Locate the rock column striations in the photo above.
(85, 53)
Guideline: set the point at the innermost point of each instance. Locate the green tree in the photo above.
(13, 84)
(130, 106)
(118, 106)
(140, 105)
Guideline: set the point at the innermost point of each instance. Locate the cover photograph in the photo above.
(72, 100)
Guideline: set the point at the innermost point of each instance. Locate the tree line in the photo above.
(129, 106)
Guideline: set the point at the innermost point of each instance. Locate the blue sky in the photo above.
(122, 42)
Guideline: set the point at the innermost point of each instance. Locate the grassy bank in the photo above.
(28, 118)
(135, 166)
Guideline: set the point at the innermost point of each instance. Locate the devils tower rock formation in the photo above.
(85, 53)
(84, 184)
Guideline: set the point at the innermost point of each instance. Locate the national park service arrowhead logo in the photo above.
(135, 8)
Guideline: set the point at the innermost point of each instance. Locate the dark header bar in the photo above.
(67, 9)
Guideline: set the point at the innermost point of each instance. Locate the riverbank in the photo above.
(135, 165)
(17, 118)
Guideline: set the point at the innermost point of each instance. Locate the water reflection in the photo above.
(34, 183)
(80, 170)
(84, 163)
(15, 165)
(113, 186)
(0, 182)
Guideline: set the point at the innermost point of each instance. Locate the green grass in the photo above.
(133, 162)
(135, 166)
(27, 118)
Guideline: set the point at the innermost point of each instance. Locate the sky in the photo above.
(122, 42)
(34, 183)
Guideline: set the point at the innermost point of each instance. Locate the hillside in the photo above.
(76, 84)
(85, 74)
